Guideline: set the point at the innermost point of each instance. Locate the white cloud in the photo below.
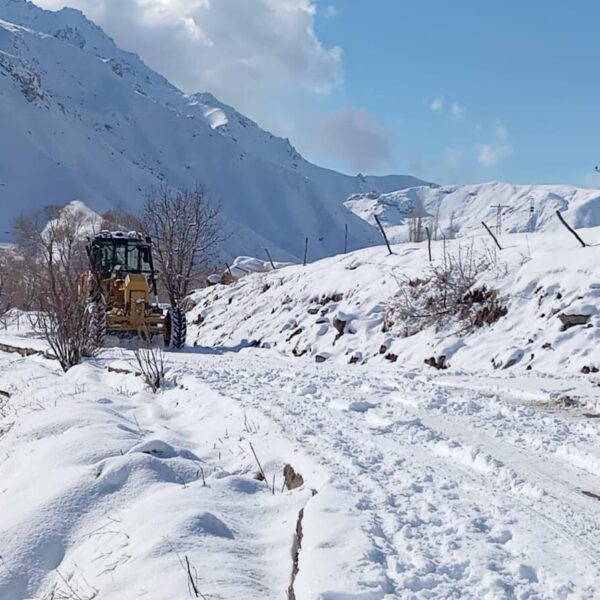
(437, 105)
(356, 135)
(488, 155)
(457, 110)
(240, 50)
(492, 153)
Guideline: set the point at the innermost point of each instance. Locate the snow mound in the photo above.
(87, 222)
(96, 505)
(335, 309)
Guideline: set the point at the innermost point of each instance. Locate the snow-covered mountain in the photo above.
(462, 208)
(81, 119)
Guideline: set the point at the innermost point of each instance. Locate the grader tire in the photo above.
(176, 329)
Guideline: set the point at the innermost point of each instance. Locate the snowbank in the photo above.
(430, 484)
(334, 309)
(104, 495)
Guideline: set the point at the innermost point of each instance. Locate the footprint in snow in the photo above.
(502, 537)
(361, 406)
(308, 390)
(161, 449)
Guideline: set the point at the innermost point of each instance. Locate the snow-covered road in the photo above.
(457, 491)
(428, 485)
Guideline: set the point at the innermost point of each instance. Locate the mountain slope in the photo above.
(345, 308)
(84, 120)
(463, 207)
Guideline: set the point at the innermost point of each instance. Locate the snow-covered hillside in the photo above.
(83, 120)
(462, 208)
(335, 309)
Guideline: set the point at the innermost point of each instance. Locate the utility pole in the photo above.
(346, 239)
(499, 208)
(531, 212)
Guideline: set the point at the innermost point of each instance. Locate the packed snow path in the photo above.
(459, 492)
(428, 485)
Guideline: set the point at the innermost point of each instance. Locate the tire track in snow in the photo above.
(379, 460)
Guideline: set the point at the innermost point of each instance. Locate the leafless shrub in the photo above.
(185, 229)
(151, 362)
(191, 574)
(451, 230)
(17, 285)
(415, 224)
(52, 253)
(118, 219)
(74, 587)
(446, 295)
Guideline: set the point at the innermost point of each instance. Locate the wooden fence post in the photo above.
(583, 244)
(387, 243)
(270, 259)
(428, 242)
(493, 236)
(346, 239)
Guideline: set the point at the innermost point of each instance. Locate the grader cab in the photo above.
(119, 287)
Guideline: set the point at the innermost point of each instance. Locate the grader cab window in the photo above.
(126, 256)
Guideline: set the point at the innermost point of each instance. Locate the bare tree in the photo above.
(5, 295)
(434, 224)
(415, 224)
(51, 246)
(185, 229)
(16, 289)
(451, 231)
(118, 219)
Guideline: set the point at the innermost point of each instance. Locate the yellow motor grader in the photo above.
(118, 288)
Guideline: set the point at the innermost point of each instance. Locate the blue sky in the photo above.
(449, 90)
(515, 85)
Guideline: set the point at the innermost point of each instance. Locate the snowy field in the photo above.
(429, 484)
(469, 482)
